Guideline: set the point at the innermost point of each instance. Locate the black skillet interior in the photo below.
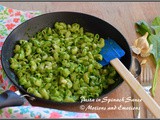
(90, 23)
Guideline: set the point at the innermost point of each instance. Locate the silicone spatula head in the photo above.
(110, 51)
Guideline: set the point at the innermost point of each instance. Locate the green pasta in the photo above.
(61, 64)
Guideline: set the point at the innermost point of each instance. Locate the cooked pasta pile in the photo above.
(61, 64)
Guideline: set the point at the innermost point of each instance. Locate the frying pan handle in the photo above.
(10, 98)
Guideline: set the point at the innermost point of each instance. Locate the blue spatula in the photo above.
(111, 53)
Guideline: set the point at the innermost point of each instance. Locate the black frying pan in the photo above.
(32, 26)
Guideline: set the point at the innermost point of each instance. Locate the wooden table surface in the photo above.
(123, 16)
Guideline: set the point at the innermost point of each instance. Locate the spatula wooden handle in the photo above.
(136, 87)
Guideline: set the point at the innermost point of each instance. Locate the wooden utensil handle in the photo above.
(136, 87)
